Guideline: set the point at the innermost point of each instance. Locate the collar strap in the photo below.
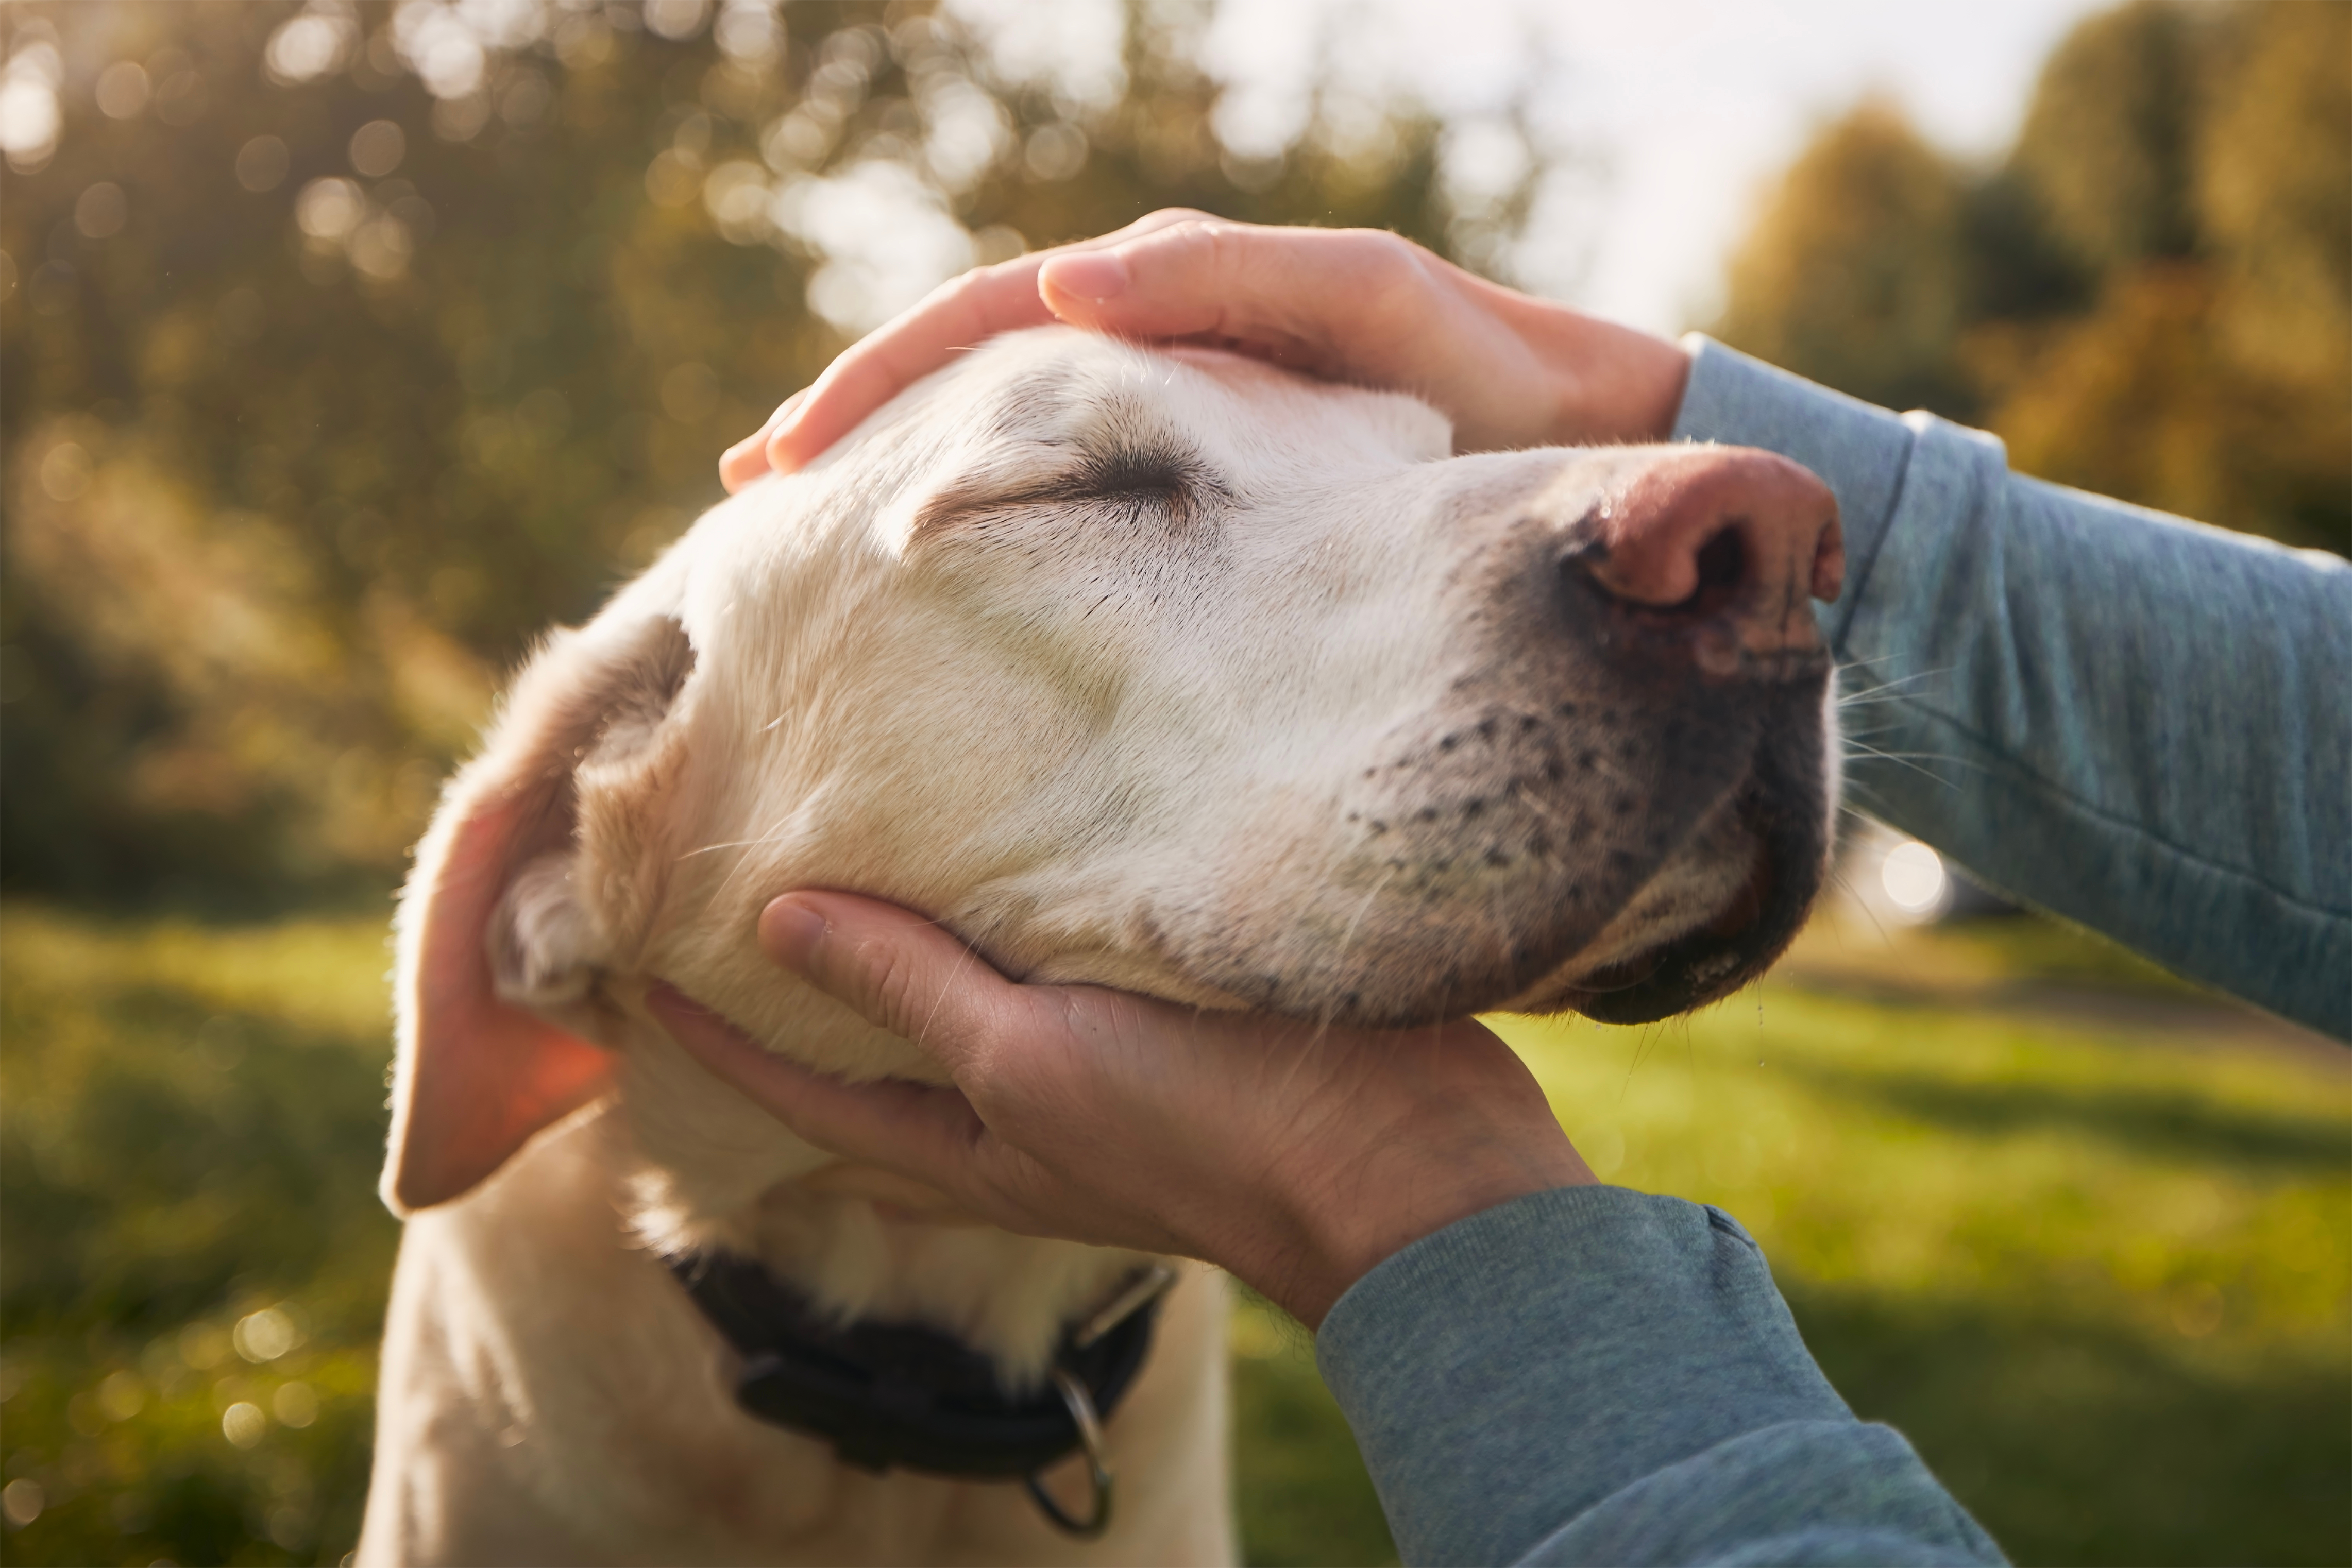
(893, 1395)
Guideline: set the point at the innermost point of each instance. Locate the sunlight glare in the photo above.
(1913, 876)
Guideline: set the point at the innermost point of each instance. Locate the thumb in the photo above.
(896, 969)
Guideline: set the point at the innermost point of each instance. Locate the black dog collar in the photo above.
(889, 1395)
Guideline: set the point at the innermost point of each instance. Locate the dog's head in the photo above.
(1160, 670)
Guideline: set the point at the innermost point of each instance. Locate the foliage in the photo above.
(2094, 1266)
(349, 347)
(1853, 274)
(2149, 297)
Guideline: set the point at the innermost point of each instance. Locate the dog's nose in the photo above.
(1726, 544)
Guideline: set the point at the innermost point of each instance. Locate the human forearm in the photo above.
(2137, 722)
(1602, 1375)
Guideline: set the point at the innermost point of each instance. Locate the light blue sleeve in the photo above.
(2137, 722)
(1599, 1376)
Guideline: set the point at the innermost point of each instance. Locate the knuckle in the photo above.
(894, 991)
(1193, 234)
(1386, 262)
(1170, 217)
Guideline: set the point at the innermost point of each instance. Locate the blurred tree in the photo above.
(1854, 269)
(2275, 192)
(2105, 147)
(344, 346)
(2151, 296)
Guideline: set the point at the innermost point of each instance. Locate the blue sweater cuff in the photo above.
(1506, 1373)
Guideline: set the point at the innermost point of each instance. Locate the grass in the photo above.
(190, 1125)
(2086, 1237)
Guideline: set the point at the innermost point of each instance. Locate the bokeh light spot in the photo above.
(330, 209)
(180, 102)
(65, 471)
(28, 120)
(1915, 880)
(264, 1335)
(243, 1424)
(1055, 151)
(21, 1501)
(675, 19)
(122, 90)
(378, 147)
(101, 211)
(261, 163)
(308, 48)
(295, 1403)
(121, 1396)
(672, 178)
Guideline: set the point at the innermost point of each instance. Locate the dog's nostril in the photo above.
(1722, 565)
(1719, 571)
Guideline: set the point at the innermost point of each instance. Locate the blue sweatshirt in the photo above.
(2149, 729)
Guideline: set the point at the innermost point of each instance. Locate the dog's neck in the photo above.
(705, 1170)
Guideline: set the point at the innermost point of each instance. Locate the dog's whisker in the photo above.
(1912, 762)
(729, 844)
(1878, 687)
(1348, 936)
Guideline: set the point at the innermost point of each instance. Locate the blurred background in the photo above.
(346, 344)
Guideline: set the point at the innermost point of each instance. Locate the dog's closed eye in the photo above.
(1170, 481)
(1163, 476)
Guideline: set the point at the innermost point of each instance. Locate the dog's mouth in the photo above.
(1707, 963)
(1782, 812)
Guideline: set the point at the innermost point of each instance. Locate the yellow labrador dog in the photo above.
(1159, 670)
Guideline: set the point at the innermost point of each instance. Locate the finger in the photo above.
(956, 315)
(1305, 293)
(959, 314)
(916, 1129)
(748, 458)
(899, 972)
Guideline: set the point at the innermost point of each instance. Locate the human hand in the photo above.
(1360, 305)
(1294, 1156)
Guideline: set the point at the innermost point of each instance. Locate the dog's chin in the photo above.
(1673, 947)
(1680, 970)
(1686, 971)
(1638, 976)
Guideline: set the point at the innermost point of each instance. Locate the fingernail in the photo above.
(1091, 274)
(790, 932)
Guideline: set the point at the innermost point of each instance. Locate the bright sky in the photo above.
(1689, 104)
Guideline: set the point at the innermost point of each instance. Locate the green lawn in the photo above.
(2086, 1237)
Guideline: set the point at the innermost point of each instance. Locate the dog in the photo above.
(1157, 669)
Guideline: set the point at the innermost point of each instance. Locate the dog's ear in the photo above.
(499, 947)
